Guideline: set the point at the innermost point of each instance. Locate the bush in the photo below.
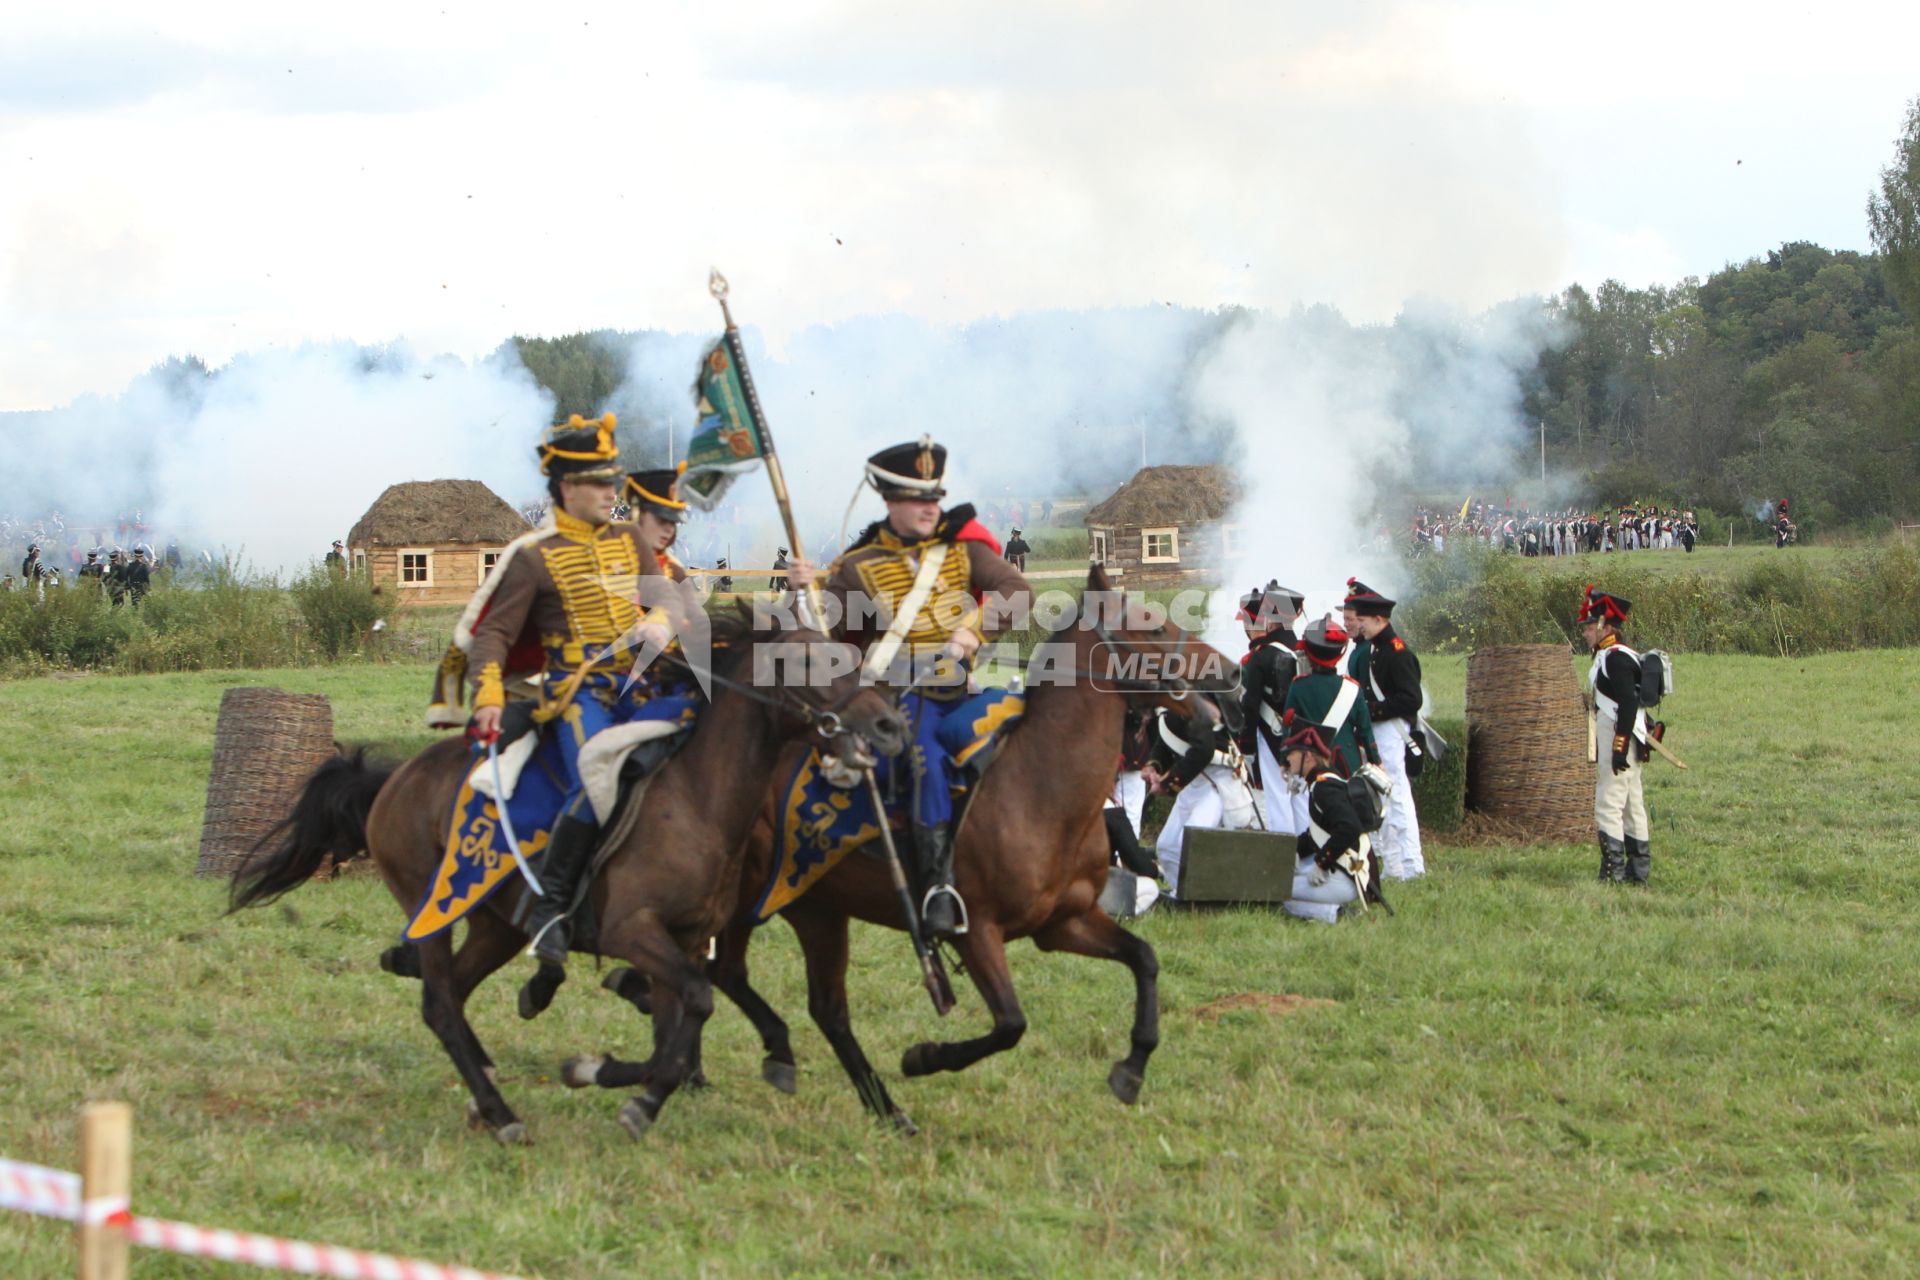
(339, 609)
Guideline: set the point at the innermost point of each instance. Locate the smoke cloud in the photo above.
(276, 454)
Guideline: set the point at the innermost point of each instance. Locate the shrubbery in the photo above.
(227, 617)
(1864, 599)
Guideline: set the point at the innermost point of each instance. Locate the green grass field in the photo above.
(1523, 1073)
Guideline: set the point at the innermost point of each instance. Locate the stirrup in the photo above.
(533, 943)
(959, 902)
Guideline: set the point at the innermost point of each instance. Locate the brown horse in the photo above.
(667, 890)
(1031, 859)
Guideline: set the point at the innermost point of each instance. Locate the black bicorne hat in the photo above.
(1365, 601)
(581, 449)
(1598, 606)
(657, 492)
(913, 470)
(1310, 734)
(1271, 606)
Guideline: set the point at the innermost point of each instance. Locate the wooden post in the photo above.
(106, 1178)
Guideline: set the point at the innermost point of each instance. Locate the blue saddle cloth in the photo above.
(820, 823)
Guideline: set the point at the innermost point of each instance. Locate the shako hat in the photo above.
(1271, 606)
(657, 492)
(1324, 642)
(1365, 601)
(581, 449)
(911, 471)
(1598, 606)
(1304, 732)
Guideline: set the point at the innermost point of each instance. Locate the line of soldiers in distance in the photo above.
(1557, 533)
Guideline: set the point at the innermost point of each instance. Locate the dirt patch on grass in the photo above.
(1260, 1002)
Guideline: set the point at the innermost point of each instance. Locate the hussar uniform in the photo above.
(561, 607)
(1266, 675)
(1620, 738)
(901, 601)
(1392, 691)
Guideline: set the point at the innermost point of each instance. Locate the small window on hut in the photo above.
(359, 562)
(416, 568)
(1230, 540)
(1100, 547)
(1159, 546)
(488, 559)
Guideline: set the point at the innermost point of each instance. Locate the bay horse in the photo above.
(1031, 858)
(662, 895)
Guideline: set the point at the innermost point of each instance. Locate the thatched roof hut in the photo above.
(1167, 521)
(438, 513)
(434, 541)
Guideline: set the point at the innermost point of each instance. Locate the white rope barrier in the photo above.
(55, 1193)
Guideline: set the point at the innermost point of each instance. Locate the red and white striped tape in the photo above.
(51, 1193)
(292, 1255)
(55, 1193)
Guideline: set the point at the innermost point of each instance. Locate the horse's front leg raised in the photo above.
(1096, 934)
(682, 999)
(984, 952)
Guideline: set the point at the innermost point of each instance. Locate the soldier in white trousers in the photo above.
(1620, 742)
(1268, 615)
(1393, 695)
(1210, 790)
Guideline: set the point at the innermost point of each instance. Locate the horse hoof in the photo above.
(781, 1075)
(903, 1125)
(1125, 1083)
(918, 1061)
(632, 986)
(513, 1135)
(634, 1119)
(537, 993)
(402, 961)
(582, 1070)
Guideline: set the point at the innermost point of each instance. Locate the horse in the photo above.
(1031, 858)
(660, 897)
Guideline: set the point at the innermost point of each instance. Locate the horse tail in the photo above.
(329, 818)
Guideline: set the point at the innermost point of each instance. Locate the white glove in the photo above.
(1318, 876)
(1376, 778)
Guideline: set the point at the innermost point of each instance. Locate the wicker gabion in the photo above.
(1527, 733)
(267, 744)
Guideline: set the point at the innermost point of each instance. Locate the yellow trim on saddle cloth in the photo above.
(985, 727)
(808, 844)
(468, 843)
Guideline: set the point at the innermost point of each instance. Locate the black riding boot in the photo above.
(1613, 860)
(1639, 861)
(1127, 845)
(941, 912)
(567, 858)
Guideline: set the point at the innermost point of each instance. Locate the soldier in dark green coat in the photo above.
(1327, 698)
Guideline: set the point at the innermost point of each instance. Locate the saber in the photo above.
(506, 822)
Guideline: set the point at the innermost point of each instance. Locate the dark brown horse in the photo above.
(1031, 859)
(667, 890)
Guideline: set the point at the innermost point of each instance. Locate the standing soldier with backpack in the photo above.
(1620, 741)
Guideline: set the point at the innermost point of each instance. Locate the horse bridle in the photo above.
(827, 721)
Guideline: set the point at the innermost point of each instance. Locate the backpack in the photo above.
(1369, 803)
(1656, 677)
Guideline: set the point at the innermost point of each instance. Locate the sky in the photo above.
(220, 178)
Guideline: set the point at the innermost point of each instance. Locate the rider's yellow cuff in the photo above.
(489, 690)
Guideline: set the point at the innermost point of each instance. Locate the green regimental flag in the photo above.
(726, 439)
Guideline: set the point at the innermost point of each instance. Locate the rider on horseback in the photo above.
(574, 587)
(909, 592)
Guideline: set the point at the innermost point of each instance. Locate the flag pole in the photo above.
(931, 971)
